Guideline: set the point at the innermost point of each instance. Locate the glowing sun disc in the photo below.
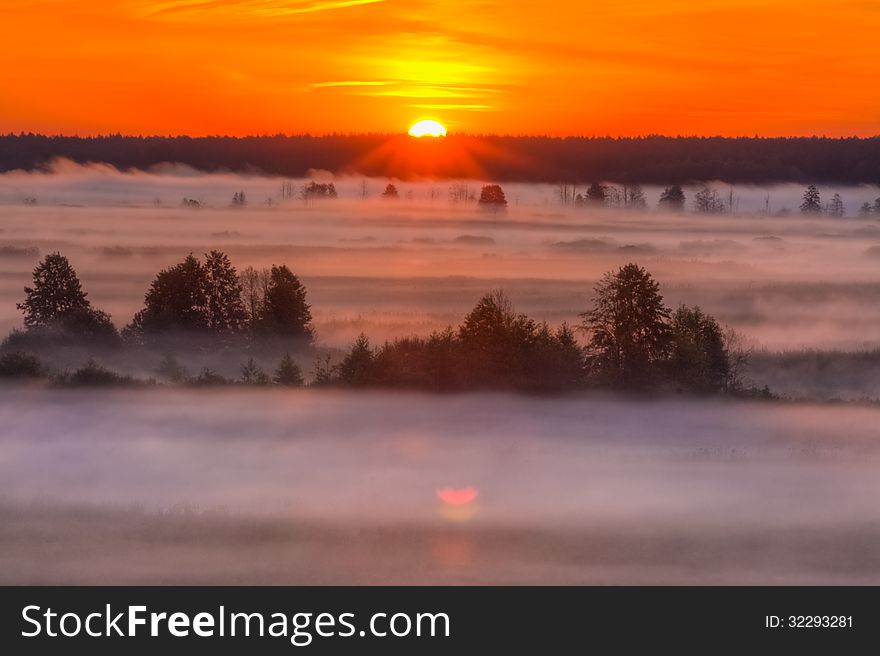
(427, 128)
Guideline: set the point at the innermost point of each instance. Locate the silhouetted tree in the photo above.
(57, 304)
(634, 197)
(252, 374)
(57, 291)
(461, 193)
(596, 194)
(672, 199)
(698, 358)
(707, 201)
(492, 197)
(286, 190)
(836, 206)
(239, 199)
(288, 373)
(554, 361)
(613, 196)
(285, 312)
(441, 359)
(737, 362)
(812, 203)
(193, 298)
(318, 190)
(404, 362)
(209, 378)
(356, 368)
(254, 285)
(628, 328)
(494, 339)
(226, 313)
(176, 301)
(324, 372)
(390, 192)
(865, 209)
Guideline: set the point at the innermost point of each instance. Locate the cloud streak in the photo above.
(256, 8)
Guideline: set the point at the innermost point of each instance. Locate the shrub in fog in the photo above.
(91, 374)
(209, 378)
(492, 198)
(288, 373)
(672, 199)
(16, 365)
(707, 201)
(252, 374)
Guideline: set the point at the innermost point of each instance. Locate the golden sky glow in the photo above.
(621, 67)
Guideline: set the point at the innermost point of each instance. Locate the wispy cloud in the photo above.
(261, 8)
(413, 90)
(352, 83)
(464, 108)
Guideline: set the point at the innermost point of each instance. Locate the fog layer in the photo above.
(395, 268)
(249, 487)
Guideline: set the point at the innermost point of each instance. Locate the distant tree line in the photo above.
(635, 343)
(645, 160)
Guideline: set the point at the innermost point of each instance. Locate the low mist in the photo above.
(394, 268)
(250, 487)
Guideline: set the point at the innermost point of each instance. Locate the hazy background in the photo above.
(332, 487)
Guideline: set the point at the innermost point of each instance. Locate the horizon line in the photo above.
(453, 135)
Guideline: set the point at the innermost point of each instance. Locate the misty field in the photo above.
(332, 487)
(802, 291)
(238, 485)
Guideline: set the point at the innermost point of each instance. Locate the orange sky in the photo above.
(571, 67)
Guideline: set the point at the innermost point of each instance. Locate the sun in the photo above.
(427, 128)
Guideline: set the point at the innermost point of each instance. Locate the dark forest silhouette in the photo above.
(635, 343)
(647, 160)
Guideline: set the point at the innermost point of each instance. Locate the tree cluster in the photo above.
(634, 343)
(207, 300)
